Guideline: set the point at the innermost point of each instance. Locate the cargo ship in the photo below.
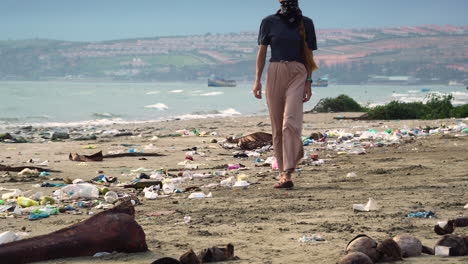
(221, 83)
(322, 82)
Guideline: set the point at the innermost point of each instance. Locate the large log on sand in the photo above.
(109, 231)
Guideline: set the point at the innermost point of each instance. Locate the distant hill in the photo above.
(424, 53)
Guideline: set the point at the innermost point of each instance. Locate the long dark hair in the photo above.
(308, 55)
(292, 15)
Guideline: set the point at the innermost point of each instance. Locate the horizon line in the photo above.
(226, 33)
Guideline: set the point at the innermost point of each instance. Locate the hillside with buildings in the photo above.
(404, 54)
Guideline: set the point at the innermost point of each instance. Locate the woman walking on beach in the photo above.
(292, 39)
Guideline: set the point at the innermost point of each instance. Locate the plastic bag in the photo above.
(77, 191)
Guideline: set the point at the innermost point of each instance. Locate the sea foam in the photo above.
(159, 106)
(212, 94)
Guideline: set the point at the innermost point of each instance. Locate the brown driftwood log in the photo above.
(20, 168)
(99, 157)
(253, 141)
(111, 156)
(109, 231)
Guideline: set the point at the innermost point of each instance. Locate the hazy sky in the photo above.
(91, 20)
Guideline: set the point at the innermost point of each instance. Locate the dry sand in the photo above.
(263, 223)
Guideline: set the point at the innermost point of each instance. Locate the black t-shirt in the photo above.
(285, 41)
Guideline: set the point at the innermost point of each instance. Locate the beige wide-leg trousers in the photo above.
(284, 92)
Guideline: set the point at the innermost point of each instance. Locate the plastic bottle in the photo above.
(76, 191)
(111, 197)
(26, 202)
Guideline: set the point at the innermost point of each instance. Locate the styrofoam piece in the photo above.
(241, 185)
(200, 195)
(442, 251)
(370, 206)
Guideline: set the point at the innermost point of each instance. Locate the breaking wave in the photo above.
(159, 106)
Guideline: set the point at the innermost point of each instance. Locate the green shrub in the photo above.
(398, 110)
(342, 103)
(460, 111)
(438, 106)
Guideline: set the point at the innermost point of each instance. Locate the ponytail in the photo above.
(308, 56)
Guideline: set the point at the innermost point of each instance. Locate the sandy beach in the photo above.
(264, 224)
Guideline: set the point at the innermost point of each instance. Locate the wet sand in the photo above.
(264, 224)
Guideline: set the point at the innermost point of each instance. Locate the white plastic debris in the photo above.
(351, 175)
(7, 237)
(101, 254)
(150, 194)
(187, 219)
(76, 191)
(229, 182)
(168, 188)
(466, 206)
(357, 151)
(442, 224)
(200, 195)
(29, 172)
(78, 181)
(17, 211)
(241, 185)
(14, 194)
(37, 196)
(313, 238)
(111, 197)
(44, 164)
(370, 206)
(442, 251)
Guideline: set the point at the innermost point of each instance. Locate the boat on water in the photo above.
(221, 83)
(322, 82)
(455, 83)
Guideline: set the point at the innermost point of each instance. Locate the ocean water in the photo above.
(74, 103)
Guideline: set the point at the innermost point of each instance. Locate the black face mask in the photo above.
(290, 12)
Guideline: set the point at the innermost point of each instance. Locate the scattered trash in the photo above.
(14, 194)
(351, 175)
(229, 182)
(200, 195)
(8, 237)
(101, 254)
(308, 239)
(76, 191)
(241, 185)
(111, 197)
(26, 202)
(442, 251)
(428, 214)
(370, 206)
(29, 172)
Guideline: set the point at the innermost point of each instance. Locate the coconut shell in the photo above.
(356, 258)
(410, 246)
(389, 251)
(364, 244)
(457, 245)
(166, 261)
(189, 258)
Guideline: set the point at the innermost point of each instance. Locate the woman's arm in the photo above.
(261, 58)
(308, 85)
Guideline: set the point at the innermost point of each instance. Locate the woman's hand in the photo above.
(307, 92)
(257, 90)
